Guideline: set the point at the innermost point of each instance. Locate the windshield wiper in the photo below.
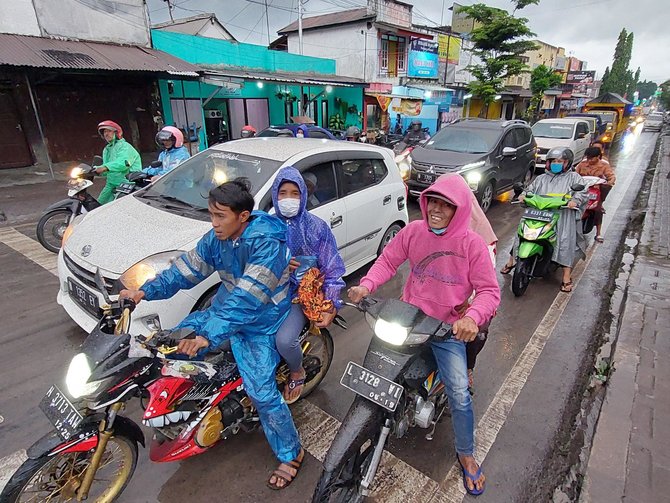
(173, 202)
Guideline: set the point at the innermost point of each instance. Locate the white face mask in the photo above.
(289, 207)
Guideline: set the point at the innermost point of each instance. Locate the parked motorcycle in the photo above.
(537, 236)
(594, 204)
(190, 405)
(56, 218)
(396, 388)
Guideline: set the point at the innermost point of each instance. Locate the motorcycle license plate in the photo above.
(125, 188)
(542, 216)
(83, 297)
(593, 196)
(423, 177)
(374, 387)
(61, 413)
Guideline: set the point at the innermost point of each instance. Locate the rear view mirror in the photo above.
(97, 160)
(508, 151)
(577, 187)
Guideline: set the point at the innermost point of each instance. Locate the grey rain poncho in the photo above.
(570, 244)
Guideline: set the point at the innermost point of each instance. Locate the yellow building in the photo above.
(547, 55)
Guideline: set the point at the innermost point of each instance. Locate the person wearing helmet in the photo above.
(248, 131)
(352, 133)
(416, 134)
(171, 139)
(118, 159)
(558, 178)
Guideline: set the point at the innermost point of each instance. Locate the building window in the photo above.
(392, 55)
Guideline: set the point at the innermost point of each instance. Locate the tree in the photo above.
(619, 78)
(646, 89)
(632, 83)
(499, 40)
(541, 79)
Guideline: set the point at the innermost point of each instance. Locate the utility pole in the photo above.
(267, 21)
(300, 25)
(170, 7)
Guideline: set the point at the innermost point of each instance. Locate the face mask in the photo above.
(556, 167)
(439, 232)
(289, 207)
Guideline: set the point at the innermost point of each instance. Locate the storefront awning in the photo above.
(305, 79)
(42, 52)
(435, 88)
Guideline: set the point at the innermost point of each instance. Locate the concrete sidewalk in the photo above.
(630, 457)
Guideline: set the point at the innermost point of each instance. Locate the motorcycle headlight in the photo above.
(473, 179)
(147, 269)
(75, 172)
(532, 233)
(77, 377)
(393, 333)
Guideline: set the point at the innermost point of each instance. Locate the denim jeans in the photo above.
(451, 362)
(288, 335)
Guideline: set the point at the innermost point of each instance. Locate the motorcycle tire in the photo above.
(324, 356)
(49, 235)
(588, 223)
(59, 490)
(342, 484)
(521, 276)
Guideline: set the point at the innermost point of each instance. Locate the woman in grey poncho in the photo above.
(558, 179)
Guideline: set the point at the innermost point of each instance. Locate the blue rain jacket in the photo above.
(308, 235)
(170, 158)
(253, 298)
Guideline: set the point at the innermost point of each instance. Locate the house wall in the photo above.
(98, 20)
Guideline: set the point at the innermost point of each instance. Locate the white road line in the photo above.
(29, 248)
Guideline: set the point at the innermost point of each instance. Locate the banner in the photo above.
(449, 48)
(384, 102)
(408, 107)
(423, 59)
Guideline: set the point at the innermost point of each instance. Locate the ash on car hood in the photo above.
(444, 158)
(552, 142)
(126, 231)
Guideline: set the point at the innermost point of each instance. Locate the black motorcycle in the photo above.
(397, 387)
(56, 218)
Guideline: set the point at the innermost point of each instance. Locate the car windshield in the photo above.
(657, 117)
(189, 183)
(462, 139)
(606, 116)
(552, 130)
(270, 132)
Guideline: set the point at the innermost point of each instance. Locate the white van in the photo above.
(568, 132)
(359, 192)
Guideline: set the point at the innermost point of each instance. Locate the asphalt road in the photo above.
(38, 340)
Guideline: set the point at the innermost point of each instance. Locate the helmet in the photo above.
(170, 133)
(112, 126)
(352, 132)
(248, 131)
(416, 124)
(562, 153)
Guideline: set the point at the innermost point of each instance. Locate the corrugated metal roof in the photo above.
(342, 17)
(288, 77)
(40, 52)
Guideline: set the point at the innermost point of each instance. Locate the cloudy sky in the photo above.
(587, 29)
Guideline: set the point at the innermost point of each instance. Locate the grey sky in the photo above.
(587, 29)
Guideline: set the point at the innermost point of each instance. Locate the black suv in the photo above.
(490, 154)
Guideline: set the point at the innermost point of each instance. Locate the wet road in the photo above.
(38, 340)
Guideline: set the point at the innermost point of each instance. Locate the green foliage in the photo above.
(620, 79)
(541, 79)
(646, 89)
(336, 122)
(500, 40)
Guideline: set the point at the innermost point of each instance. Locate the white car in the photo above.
(568, 132)
(653, 121)
(359, 192)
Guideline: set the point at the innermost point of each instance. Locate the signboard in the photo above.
(449, 48)
(581, 81)
(423, 59)
(408, 107)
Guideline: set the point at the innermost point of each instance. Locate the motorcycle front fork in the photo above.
(376, 458)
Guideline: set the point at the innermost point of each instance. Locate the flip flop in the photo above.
(473, 477)
(600, 239)
(507, 269)
(566, 287)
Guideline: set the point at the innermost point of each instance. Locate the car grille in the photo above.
(424, 167)
(87, 277)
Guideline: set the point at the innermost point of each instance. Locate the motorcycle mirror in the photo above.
(97, 160)
(577, 187)
(100, 283)
(156, 164)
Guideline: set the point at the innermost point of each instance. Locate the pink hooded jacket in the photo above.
(446, 269)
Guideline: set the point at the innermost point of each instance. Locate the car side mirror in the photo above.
(577, 187)
(508, 151)
(518, 189)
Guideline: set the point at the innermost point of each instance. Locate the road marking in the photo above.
(29, 248)
(9, 464)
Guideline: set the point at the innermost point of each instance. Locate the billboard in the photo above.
(581, 81)
(423, 59)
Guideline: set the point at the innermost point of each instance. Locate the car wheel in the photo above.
(390, 233)
(486, 197)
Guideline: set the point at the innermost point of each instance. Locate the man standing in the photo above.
(118, 159)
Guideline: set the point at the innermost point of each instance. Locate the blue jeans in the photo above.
(288, 335)
(452, 364)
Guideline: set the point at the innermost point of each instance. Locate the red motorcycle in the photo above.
(191, 405)
(594, 205)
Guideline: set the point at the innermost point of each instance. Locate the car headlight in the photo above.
(77, 377)
(473, 179)
(404, 163)
(147, 269)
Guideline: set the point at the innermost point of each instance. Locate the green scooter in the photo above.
(537, 236)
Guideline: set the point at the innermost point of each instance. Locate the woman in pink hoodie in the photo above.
(448, 261)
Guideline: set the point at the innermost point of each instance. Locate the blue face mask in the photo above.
(556, 167)
(439, 232)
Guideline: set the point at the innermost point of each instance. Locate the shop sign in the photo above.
(423, 59)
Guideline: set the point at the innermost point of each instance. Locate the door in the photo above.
(14, 149)
(582, 140)
(509, 170)
(368, 201)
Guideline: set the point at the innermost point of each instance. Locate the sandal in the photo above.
(290, 386)
(566, 287)
(285, 476)
(473, 477)
(507, 268)
(600, 239)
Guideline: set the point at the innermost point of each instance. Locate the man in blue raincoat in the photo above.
(248, 250)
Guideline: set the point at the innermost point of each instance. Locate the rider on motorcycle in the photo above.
(594, 165)
(312, 244)
(248, 250)
(416, 134)
(174, 152)
(118, 159)
(557, 180)
(352, 133)
(248, 131)
(448, 261)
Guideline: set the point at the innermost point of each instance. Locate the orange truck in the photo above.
(615, 112)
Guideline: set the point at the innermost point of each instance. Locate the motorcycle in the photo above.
(537, 236)
(51, 226)
(594, 204)
(397, 387)
(190, 406)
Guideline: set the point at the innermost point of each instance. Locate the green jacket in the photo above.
(114, 157)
